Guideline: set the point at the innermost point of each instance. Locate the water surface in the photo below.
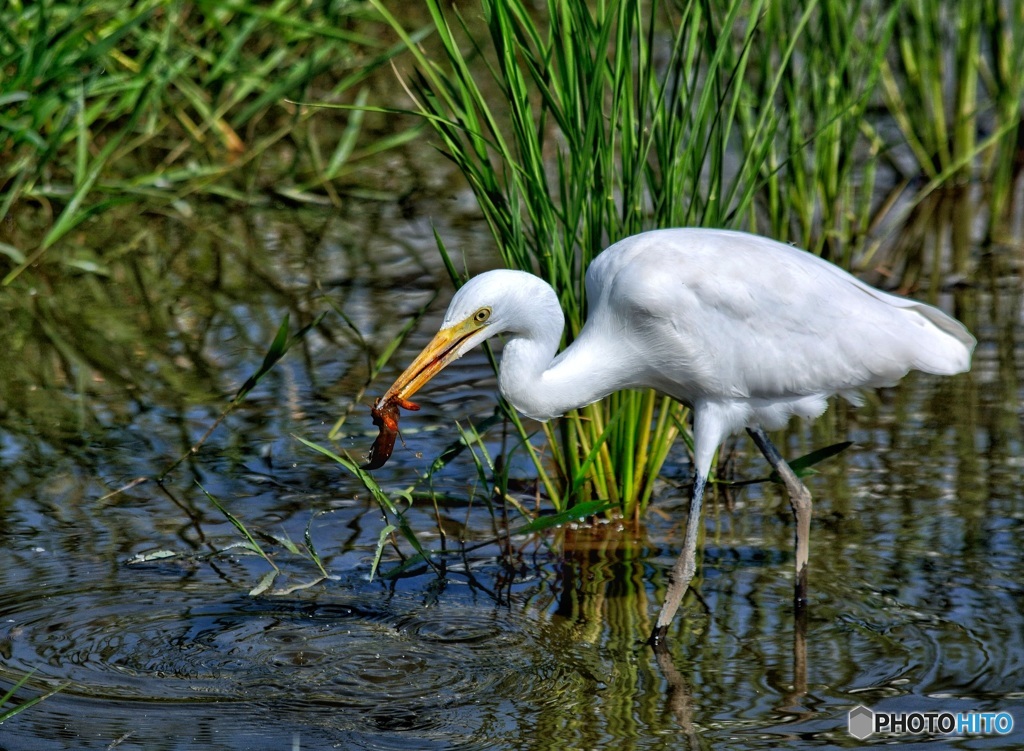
(916, 551)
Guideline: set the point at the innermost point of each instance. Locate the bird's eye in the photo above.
(482, 315)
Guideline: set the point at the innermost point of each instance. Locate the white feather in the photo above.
(745, 330)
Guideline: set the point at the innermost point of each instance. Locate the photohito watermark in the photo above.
(862, 722)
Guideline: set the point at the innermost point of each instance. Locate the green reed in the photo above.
(106, 103)
(954, 83)
(818, 186)
(599, 123)
(1002, 77)
(7, 712)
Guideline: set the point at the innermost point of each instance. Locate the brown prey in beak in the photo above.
(445, 347)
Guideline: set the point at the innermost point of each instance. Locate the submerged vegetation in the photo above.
(579, 126)
(7, 712)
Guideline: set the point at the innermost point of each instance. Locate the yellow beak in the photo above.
(446, 346)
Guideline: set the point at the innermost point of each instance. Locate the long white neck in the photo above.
(532, 379)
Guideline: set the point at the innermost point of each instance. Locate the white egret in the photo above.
(745, 330)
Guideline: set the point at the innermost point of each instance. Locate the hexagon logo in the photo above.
(861, 722)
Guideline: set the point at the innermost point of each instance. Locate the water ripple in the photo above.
(358, 652)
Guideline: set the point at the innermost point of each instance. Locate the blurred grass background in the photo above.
(147, 103)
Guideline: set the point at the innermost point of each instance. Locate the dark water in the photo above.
(917, 570)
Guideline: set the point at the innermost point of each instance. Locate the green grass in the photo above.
(7, 712)
(577, 125)
(105, 103)
(1002, 84)
(954, 83)
(818, 182)
(601, 123)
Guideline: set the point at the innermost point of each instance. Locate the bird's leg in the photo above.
(800, 501)
(684, 570)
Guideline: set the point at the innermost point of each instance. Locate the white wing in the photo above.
(712, 314)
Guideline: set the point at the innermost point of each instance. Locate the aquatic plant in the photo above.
(106, 103)
(8, 696)
(594, 124)
(955, 75)
(818, 181)
(577, 126)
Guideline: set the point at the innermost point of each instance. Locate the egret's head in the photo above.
(489, 304)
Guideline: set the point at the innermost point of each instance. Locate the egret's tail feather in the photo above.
(948, 351)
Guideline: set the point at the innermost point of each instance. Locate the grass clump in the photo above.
(105, 103)
(818, 182)
(577, 125)
(600, 122)
(954, 83)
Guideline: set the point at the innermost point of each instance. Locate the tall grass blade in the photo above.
(574, 130)
(387, 505)
(6, 714)
(382, 540)
(250, 540)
